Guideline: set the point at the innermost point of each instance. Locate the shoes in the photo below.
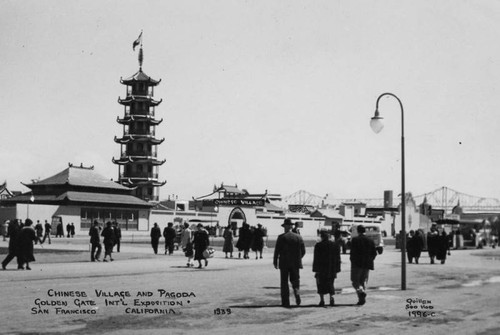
(332, 302)
(285, 304)
(111, 259)
(188, 264)
(28, 268)
(206, 262)
(362, 299)
(321, 303)
(3, 266)
(199, 266)
(104, 260)
(20, 268)
(92, 260)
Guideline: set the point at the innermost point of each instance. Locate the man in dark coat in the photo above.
(95, 242)
(326, 265)
(363, 253)
(288, 254)
(39, 231)
(48, 229)
(118, 235)
(109, 241)
(169, 234)
(13, 232)
(155, 237)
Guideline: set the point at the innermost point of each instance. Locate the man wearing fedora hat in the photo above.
(288, 255)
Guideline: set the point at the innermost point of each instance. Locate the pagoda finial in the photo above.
(137, 42)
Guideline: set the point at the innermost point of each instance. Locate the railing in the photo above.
(139, 175)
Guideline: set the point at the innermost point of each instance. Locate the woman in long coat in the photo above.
(258, 241)
(326, 265)
(244, 241)
(25, 240)
(228, 241)
(442, 247)
(200, 244)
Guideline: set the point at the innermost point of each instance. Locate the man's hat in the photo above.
(287, 222)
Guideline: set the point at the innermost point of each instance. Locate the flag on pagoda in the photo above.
(137, 41)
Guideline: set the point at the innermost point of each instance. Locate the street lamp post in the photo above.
(377, 126)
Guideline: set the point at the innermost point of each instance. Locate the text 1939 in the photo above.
(222, 311)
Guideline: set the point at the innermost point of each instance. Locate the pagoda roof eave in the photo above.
(128, 100)
(139, 138)
(132, 118)
(140, 76)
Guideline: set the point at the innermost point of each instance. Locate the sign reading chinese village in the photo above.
(239, 202)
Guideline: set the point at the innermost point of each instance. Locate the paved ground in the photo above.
(463, 294)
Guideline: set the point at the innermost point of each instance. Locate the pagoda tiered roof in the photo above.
(139, 138)
(140, 76)
(139, 98)
(133, 118)
(137, 159)
(133, 182)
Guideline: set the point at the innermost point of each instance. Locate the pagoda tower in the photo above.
(138, 164)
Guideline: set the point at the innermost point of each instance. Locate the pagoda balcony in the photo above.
(142, 153)
(139, 175)
(140, 132)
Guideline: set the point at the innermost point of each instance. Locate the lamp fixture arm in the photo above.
(400, 105)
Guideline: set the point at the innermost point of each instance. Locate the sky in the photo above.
(266, 94)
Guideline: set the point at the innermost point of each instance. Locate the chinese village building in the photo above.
(79, 195)
(138, 164)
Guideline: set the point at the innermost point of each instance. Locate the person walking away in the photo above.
(326, 265)
(228, 248)
(72, 230)
(118, 235)
(39, 231)
(13, 232)
(258, 241)
(27, 236)
(443, 247)
(363, 253)
(68, 230)
(59, 230)
(5, 229)
(187, 244)
(244, 241)
(169, 234)
(108, 234)
(288, 254)
(48, 230)
(418, 244)
(155, 237)
(432, 242)
(95, 242)
(410, 246)
(200, 244)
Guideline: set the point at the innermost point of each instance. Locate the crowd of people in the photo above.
(438, 245)
(290, 250)
(111, 235)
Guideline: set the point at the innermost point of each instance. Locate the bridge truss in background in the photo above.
(442, 198)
